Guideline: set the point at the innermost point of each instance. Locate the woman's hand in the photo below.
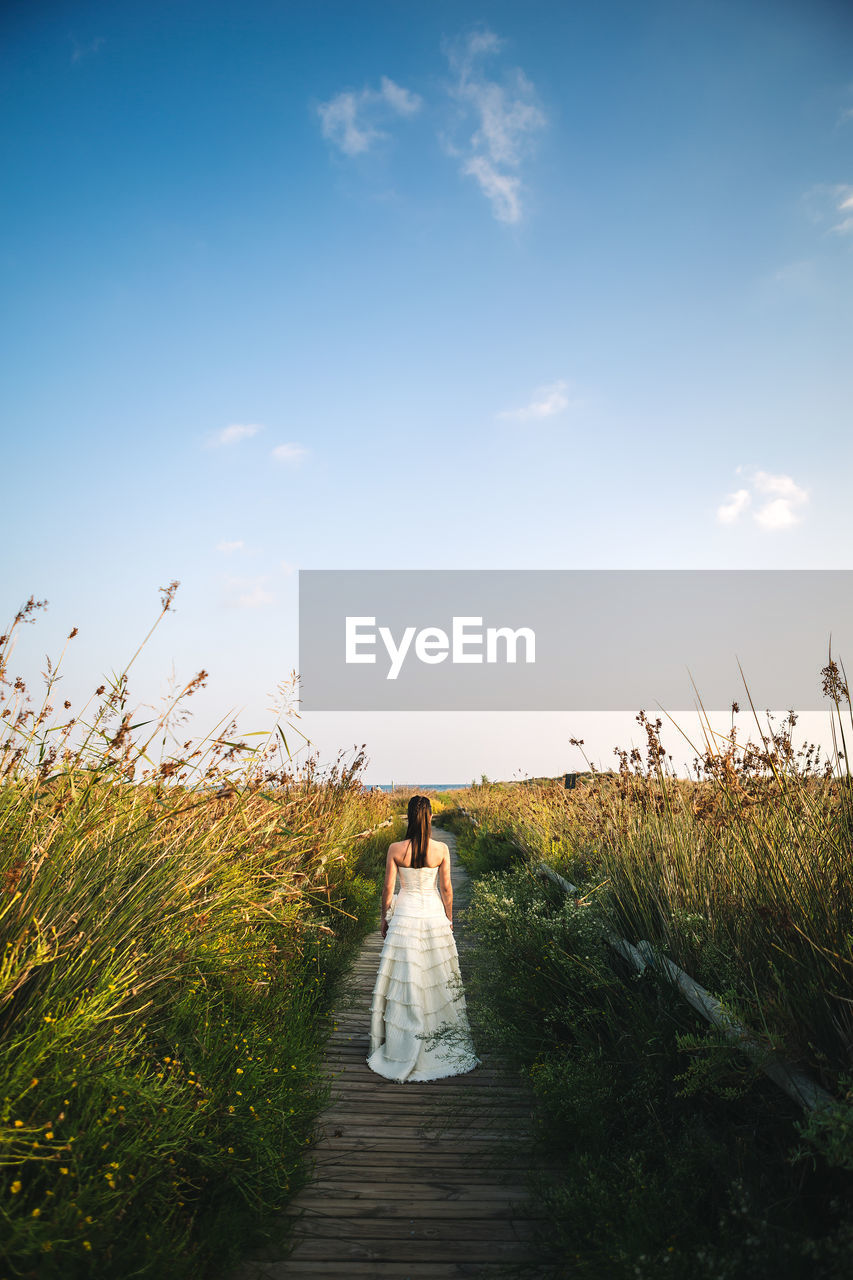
(384, 927)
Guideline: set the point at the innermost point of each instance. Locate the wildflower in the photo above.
(19, 1124)
(63, 1170)
(86, 1245)
(16, 1186)
(49, 1134)
(36, 1213)
(239, 1071)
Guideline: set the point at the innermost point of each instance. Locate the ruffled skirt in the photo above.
(418, 1020)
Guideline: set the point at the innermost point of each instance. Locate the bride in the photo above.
(418, 1023)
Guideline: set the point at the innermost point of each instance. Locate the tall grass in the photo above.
(741, 873)
(175, 916)
(671, 1153)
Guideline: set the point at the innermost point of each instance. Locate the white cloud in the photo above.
(287, 568)
(781, 502)
(503, 189)
(830, 205)
(844, 206)
(288, 452)
(228, 547)
(248, 593)
(784, 486)
(401, 100)
(786, 500)
(777, 514)
(236, 432)
(546, 402)
(506, 116)
(730, 511)
(340, 124)
(347, 120)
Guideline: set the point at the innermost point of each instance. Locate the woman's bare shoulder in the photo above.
(443, 852)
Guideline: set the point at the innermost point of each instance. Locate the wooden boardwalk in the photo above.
(412, 1181)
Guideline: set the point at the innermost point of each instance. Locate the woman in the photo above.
(418, 990)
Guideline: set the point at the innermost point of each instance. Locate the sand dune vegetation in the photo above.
(175, 917)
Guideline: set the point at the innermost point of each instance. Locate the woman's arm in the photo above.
(445, 885)
(388, 887)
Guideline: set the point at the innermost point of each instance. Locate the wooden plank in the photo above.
(441, 1211)
(403, 1251)
(308, 1270)
(383, 1137)
(444, 1192)
(469, 1230)
(412, 1166)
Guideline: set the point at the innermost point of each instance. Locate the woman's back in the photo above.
(435, 855)
(419, 891)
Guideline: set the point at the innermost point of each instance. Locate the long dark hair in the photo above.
(418, 830)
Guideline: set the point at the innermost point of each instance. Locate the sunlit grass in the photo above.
(741, 873)
(175, 916)
(670, 1152)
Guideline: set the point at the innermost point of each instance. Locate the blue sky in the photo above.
(413, 285)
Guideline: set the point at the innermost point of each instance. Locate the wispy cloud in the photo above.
(844, 210)
(349, 120)
(506, 116)
(235, 433)
(248, 593)
(733, 508)
(229, 547)
(546, 402)
(81, 51)
(830, 205)
(288, 452)
(774, 501)
(798, 277)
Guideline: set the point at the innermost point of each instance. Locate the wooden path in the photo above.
(419, 1181)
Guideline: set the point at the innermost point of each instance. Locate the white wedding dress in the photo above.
(418, 991)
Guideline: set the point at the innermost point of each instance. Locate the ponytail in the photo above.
(418, 830)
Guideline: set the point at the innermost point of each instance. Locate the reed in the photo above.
(741, 872)
(175, 916)
(669, 1151)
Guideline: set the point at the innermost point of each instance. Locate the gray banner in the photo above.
(568, 640)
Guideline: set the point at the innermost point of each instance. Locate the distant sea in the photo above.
(424, 786)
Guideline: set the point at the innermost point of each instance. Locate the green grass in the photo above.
(670, 1154)
(173, 929)
(673, 1154)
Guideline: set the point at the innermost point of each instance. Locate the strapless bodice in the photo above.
(418, 891)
